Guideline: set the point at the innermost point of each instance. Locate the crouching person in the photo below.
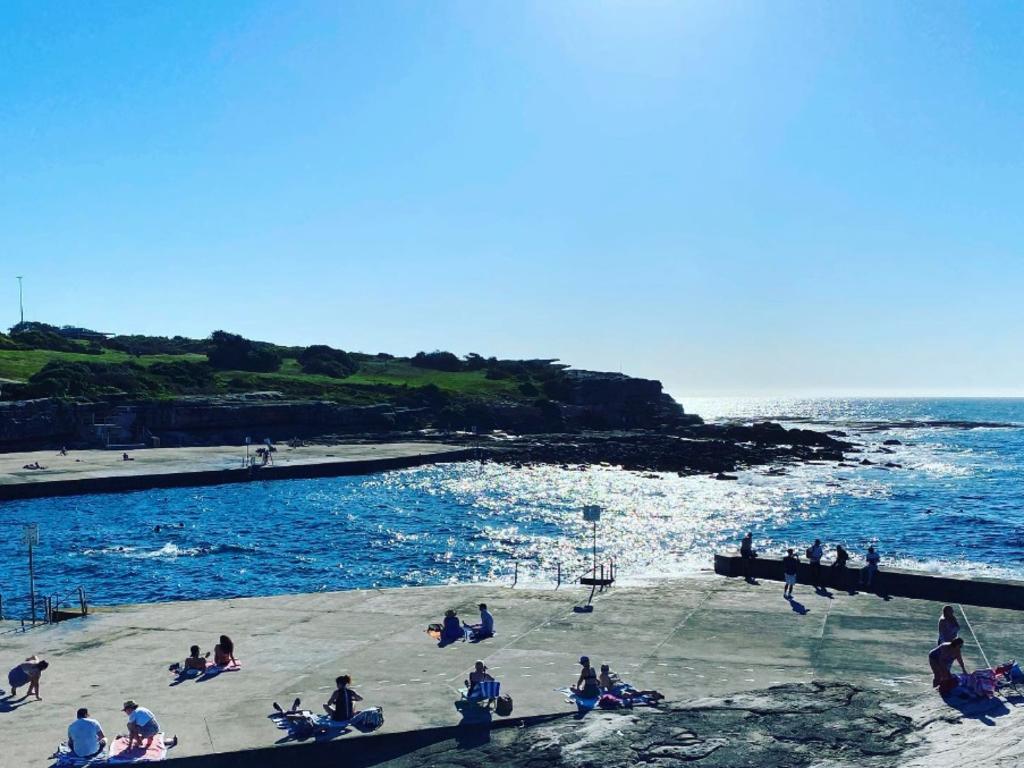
(142, 724)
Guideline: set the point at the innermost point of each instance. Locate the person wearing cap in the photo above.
(585, 671)
(85, 736)
(485, 628)
(142, 724)
(587, 686)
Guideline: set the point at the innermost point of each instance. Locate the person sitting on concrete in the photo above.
(607, 679)
(451, 629)
(85, 736)
(126, 457)
(477, 676)
(949, 627)
(790, 566)
(747, 555)
(341, 706)
(867, 575)
(142, 724)
(587, 687)
(941, 659)
(484, 629)
(224, 652)
(584, 670)
(27, 673)
(195, 660)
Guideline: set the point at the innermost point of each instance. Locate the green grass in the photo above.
(19, 364)
(370, 384)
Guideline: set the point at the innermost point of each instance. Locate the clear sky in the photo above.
(732, 197)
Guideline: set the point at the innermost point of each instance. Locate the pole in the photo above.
(32, 582)
(595, 548)
(21, 299)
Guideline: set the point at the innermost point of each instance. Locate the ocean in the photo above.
(952, 505)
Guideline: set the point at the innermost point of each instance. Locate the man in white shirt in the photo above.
(142, 724)
(85, 736)
(484, 629)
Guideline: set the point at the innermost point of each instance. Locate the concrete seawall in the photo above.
(189, 471)
(988, 593)
(689, 638)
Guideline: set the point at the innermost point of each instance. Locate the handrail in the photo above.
(608, 564)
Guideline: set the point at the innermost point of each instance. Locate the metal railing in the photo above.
(49, 609)
(605, 571)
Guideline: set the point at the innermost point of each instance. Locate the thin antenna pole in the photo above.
(21, 299)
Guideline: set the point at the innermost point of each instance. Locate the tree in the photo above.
(327, 361)
(231, 352)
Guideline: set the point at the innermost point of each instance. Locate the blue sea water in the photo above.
(954, 506)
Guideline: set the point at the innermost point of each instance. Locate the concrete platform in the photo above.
(97, 471)
(688, 638)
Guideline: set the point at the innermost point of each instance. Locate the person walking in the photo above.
(790, 566)
(814, 554)
(747, 555)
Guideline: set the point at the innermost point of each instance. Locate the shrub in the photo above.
(42, 336)
(437, 361)
(60, 378)
(229, 351)
(156, 345)
(184, 377)
(327, 361)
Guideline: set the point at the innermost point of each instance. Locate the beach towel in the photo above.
(67, 759)
(583, 705)
(213, 670)
(155, 752)
(980, 683)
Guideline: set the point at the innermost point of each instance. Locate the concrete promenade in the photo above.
(689, 638)
(97, 471)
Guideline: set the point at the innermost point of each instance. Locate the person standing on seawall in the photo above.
(814, 554)
(839, 575)
(747, 555)
(790, 565)
(867, 576)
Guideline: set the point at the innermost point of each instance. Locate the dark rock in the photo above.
(891, 441)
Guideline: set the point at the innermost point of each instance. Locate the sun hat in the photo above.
(129, 705)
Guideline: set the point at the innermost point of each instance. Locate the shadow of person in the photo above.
(473, 734)
(9, 704)
(798, 607)
(824, 592)
(982, 710)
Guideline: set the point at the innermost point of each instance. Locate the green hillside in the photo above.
(38, 360)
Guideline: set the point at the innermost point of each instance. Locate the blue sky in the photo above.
(775, 197)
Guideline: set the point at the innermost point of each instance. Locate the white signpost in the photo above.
(591, 514)
(30, 536)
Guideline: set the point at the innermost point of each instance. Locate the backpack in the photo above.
(808, 553)
(304, 727)
(368, 720)
(503, 706)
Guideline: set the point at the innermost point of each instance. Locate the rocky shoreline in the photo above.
(699, 449)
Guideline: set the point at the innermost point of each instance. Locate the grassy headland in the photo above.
(39, 360)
